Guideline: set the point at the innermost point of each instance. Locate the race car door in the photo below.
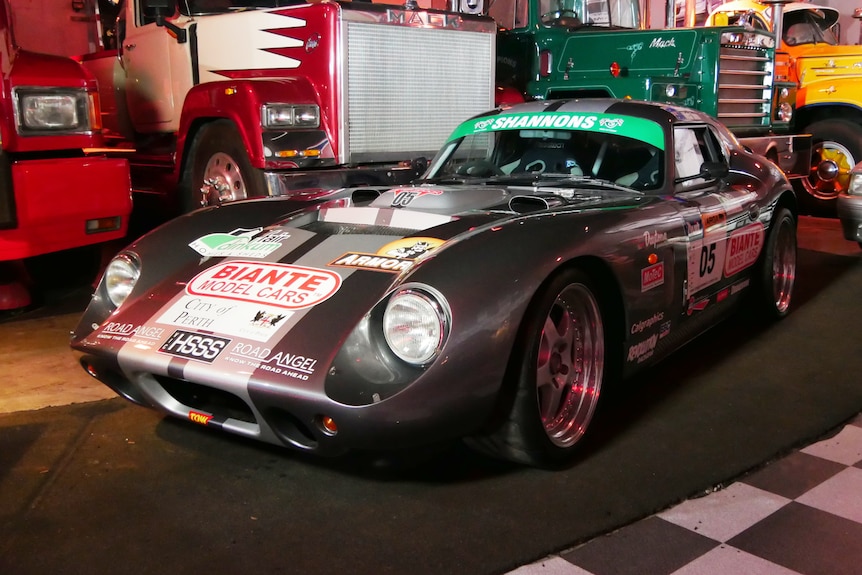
(722, 241)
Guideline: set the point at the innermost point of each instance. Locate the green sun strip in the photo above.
(637, 128)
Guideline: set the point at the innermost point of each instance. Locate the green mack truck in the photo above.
(598, 48)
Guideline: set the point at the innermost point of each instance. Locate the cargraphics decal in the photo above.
(285, 286)
(194, 346)
(240, 243)
(395, 257)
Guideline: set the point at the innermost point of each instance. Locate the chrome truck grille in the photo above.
(409, 87)
(744, 87)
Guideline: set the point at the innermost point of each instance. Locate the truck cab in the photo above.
(829, 91)
(57, 191)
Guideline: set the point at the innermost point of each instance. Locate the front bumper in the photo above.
(850, 213)
(299, 416)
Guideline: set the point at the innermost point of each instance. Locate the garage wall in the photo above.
(62, 27)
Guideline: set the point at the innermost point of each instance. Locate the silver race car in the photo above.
(551, 249)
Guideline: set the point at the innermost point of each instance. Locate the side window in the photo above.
(694, 145)
(509, 14)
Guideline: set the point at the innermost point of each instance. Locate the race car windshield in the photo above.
(510, 156)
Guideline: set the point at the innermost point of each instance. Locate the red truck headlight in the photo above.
(290, 116)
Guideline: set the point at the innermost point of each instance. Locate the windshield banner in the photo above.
(636, 128)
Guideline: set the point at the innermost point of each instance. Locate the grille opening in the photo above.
(207, 399)
(290, 429)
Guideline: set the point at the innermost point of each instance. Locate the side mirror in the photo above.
(714, 170)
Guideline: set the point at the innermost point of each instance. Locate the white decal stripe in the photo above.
(252, 31)
(374, 216)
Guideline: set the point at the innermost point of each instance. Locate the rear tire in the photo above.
(777, 273)
(219, 169)
(557, 368)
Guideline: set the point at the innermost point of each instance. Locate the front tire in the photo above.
(219, 169)
(837, 147)
(558, 367)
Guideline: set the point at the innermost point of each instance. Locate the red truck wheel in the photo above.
(837, 146)
(219, 169)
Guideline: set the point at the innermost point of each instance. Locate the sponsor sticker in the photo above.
(233, 318)
(291, 365)
(652, 276)
(195, 346)
(285, 286)
(643, 350)
(405, 196)
(394, 257)
(198, 417)
(743, 248)
(240, 243)
(644, 325)
(142, 335)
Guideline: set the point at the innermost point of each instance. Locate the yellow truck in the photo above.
(829, 91)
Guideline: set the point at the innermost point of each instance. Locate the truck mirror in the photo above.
(468, 6)
(155, 10)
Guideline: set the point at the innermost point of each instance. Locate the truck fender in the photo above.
(239, 101)
(844, 92)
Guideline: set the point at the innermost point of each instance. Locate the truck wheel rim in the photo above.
(226, 177)
(841, 160)
(569, 365)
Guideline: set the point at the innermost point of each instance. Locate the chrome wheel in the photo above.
(569, 365)
(223, 181)
(783, 264)
(830, 170)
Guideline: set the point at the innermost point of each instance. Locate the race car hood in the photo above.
(262, 299)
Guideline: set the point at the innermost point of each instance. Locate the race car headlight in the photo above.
(415, 325)
(120, 277)
(41, 110)
(290, 116)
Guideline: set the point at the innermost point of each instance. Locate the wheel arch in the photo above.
(808, 114)
(239, 102)
(614, 314)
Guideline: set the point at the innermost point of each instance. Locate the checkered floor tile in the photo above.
(800, 515)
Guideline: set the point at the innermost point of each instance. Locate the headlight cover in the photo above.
(120, 277)
(855, 187)
(274, 116)
(416, 324)
(51, 110)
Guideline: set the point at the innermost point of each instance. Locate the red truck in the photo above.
(57, 192)
(219, 100)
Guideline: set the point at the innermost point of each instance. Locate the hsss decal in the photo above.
(285, 286)
(394, 257)
(195, 346)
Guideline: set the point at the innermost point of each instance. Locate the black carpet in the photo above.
(108, 487)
